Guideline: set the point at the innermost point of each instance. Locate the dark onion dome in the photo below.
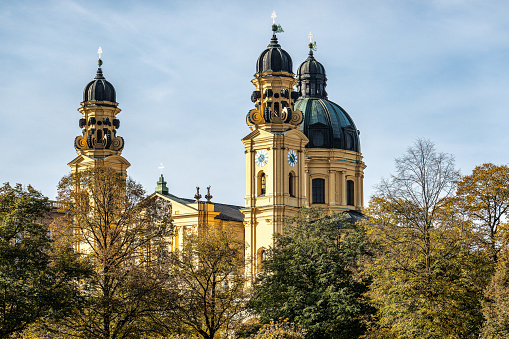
(99, 89)
(311, 78)
(274, 58)
(327, 125)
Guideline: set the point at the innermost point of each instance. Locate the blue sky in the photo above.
(182, 70)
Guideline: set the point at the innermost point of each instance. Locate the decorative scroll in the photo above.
(256, 117)
(266, 114)
(117, 143)
(80, 143)
(287, 114)
(296, 117)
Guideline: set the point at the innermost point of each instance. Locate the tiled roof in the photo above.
(226, 212)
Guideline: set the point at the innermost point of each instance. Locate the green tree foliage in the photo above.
(122, 233)
(484, 197)
(427, 274)
(205, 290)
(280, 330)
(310, 277)
(35, 281)
(496, 305)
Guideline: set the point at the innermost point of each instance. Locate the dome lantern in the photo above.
(311, 77)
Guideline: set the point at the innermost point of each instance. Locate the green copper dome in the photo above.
(327, 125)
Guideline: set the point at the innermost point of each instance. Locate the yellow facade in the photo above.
(265, 211)
(191, 216)
(282, 173)
(284, 170)
(336, 167)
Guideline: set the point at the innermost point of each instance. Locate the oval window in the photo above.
(318, 138)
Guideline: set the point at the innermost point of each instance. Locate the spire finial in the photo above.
(312, 44)
(197, 196)
(275, 28)
(208, 196)
(161, 167)
(100, 51)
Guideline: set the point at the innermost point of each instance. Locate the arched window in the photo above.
(99, 136)
(350, 193)
(262, 184)
(318, 189)
(291, 184)
(261, 257)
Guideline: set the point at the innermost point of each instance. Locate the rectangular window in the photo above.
(318, 188)
(350, 193)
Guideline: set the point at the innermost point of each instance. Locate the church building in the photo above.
(302, 150)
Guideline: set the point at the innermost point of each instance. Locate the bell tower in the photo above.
(99, 144)
(275, 187)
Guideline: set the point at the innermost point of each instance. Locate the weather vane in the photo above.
(161, 168)
(312, 44)
(276, 28)
(100, 51)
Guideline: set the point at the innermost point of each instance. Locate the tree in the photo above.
(35, 280)
(484, 197)
(206, 295)
(280, 330)
(496, 305)
(122, 233)
(427, 274)
(310, 277)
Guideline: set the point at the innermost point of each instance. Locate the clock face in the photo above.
(261, 158)
(292, 158)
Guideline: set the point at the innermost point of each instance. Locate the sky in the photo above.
(407, 69)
